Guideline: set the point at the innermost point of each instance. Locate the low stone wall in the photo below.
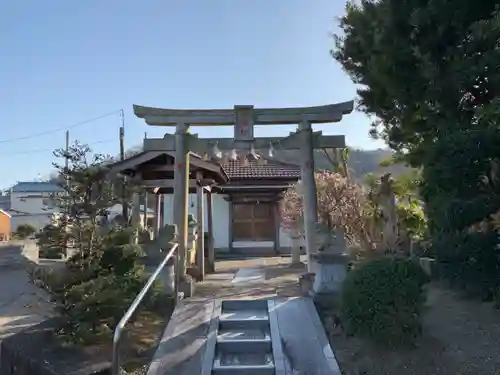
(17, 254)
(35, 351)
(429, 265)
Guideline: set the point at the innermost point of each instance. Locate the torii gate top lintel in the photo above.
(257, 116)
(243, 118)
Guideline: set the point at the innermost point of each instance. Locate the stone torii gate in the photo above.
(243, 118)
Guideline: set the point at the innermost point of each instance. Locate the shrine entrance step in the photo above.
(243, 339)
(277, 336)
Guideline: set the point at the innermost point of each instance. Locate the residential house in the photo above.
(5, 225)
(33, 203)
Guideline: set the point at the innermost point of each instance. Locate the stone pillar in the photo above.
(277, 227)
(166, 240)
(135, 219)
(295, 237)
(210, 267)
(180, 202)
(200, 251)
(157, 215)
(309, 190)
(169, 280)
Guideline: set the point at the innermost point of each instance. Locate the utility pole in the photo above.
(67, 203)
(122, 157)
(67, 150)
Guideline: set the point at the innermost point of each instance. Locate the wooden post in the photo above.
(277, 225)
(157, 215)
(136, 216)
(162, 211)
(200, 248)
(210, 267)
(145, 211)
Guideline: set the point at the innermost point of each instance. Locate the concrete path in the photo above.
(21, 303)
(248, 275)
(252, 278)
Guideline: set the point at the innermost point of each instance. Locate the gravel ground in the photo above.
(461, 337)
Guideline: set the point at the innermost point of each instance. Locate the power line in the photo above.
(36, 151)
(63, 128)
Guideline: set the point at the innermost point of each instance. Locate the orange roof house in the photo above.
(5, 227)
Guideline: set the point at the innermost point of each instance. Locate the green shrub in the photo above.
(96, 287)
(24, 231)
(470, 261)
(51, 241)
(383, 300)
(120, 259)
(412, 219)
(93, 308)
(53, 252)
(101, 286)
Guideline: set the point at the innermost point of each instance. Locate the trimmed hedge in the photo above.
(383, 300)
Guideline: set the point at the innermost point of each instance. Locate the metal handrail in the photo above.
(115, 367)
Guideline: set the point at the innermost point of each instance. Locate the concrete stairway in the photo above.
(243, 345)
(277, 336)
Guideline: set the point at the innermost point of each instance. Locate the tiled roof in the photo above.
(5, 212)
(36, 187)
(268, 169)
(4, 202)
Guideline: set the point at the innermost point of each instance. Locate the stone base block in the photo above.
(297, 265)
(195, 273)
(186, 286)
(326, 301)
(306, 282)
(169, 277)
(209, 267)
(428, 265)
(331, 270)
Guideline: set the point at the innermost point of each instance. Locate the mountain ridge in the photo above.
(360, 162)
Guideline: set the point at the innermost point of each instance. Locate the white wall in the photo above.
(37, 221)
(31, 203)
(29, 208)
(220, 209)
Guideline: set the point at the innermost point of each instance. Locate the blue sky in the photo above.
(65, 62)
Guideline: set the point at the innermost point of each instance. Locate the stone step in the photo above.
(244, 319)
(243, 364)
(243, 344)
(244, 341)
